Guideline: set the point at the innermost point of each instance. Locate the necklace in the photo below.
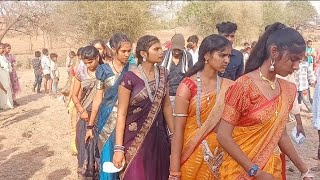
(199, 85)
(146, 82)
(115, 68)
(272, 84)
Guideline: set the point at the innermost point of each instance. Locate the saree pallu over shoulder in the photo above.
(107, 115)
(259, 141)
(140, 134)
(193, 164)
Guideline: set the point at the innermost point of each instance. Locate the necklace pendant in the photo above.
(273, 86)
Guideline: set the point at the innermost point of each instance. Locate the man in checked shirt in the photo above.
(304, 78)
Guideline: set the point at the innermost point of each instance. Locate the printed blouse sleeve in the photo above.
(236, 102)
(126, 81)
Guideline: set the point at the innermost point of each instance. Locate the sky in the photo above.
(316, 4)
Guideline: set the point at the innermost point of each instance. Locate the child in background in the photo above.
(36, 64)
(54, 72)
(304, 78)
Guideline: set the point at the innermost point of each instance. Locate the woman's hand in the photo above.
(300, 130)
(118, 159)
(89, 135)
(84, 116)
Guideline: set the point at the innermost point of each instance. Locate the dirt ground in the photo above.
(35, 138)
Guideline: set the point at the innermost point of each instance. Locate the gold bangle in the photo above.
(172, 173)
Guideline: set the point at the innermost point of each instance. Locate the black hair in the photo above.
(211, 43)
(226, 27)
(72, 53)
(79, 51)
(37, 53)
(53, 55)
(246, 44)
(193, 39)
(117, 39)
(253, 44)
(267, 27)
(90, 52)
(99, 41)
(45, 51)
(285, 38)
(6, 45)
(309, 41)
(143, 44)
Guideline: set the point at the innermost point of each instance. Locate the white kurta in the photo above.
(6, 101)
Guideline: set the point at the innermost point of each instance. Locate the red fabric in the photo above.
(283, 159)
(191, 85)
(72, 72)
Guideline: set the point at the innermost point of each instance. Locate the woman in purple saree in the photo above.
(144, 111)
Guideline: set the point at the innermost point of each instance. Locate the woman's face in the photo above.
(1, 49)
(288, 63)
(100, 48)
(219, 60)
(155, 53)
(124, 52)
(7, 49)
(91, 64)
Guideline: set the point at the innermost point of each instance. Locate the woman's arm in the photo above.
(167, 111)
(123, 103)
(75, 98)
(224, 137)
(95, 106)
(182, 105)
(288, 149)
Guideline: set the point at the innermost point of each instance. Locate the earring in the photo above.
(144, 59)
(271, 68)
(206, 61)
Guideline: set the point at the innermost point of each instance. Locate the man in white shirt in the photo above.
(45, 64)
(193, 44)
(54, 72)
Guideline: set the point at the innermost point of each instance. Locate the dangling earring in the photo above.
(271, 68)
(144, 59)
(206, 61)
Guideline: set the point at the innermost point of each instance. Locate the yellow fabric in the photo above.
(259, 143)
(195, 167)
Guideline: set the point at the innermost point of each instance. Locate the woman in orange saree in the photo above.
(252, 130)
(195, 156)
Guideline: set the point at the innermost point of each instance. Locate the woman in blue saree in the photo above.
(104, 106)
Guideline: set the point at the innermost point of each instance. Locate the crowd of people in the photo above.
(192, 111)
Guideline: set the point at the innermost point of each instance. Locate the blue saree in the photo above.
(107, 114)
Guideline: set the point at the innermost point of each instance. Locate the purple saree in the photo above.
(146, 142)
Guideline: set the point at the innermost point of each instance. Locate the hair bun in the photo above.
(276, 26)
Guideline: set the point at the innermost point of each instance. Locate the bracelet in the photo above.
(180, 115)
(173, 177)
(119, 147)
(82, 111)
(89, 127)
(172, 173)
(305, 174)
(118, 150)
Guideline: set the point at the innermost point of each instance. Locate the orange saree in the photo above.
(193, 164)
(259, 124)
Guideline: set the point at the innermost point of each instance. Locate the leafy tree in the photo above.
(298, 13)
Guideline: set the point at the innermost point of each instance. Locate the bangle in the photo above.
(89, 127)
(303, 175)
(172, 173)
(82, 111)
(118, 150)
(119, 147)
(173, 177)
(170, 135)
(180, 115)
